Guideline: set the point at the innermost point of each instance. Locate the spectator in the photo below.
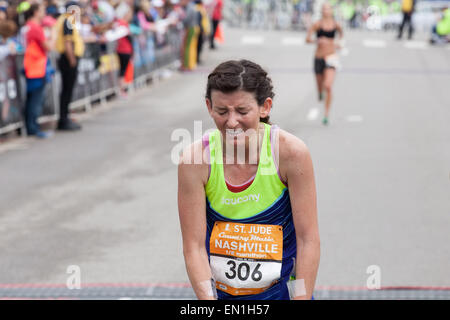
(86, 30)
(124, 44)
(71, 47)
(173, 12)
(7, 47)
(35, 66)
(204, 26)
(190, 37)
(161, 24)
(168, 8)
(408, 7)
(441, 31)
(157, 10)
(216, 17)
(47, 23)
(103, 16)
(52, 9)
(143, 17)
(21, 9)
(7, 29)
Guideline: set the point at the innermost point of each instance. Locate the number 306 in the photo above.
(243, 271)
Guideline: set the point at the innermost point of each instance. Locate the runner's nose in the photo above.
(232, 121)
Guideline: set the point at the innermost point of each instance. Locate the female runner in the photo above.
(248, 209)
(325, 59)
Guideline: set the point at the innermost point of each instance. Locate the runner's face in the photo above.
(236, 114)
(327, 12)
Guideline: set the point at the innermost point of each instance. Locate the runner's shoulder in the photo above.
(192, 161)
(291, 149)
(316, 25)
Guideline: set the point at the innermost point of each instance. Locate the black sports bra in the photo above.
(324, 33)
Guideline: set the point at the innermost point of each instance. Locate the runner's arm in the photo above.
(339, 42)
(340, 31)
(300, 178)
(311, 30)
(192, 213)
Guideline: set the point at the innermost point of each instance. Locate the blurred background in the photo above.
(90, 113)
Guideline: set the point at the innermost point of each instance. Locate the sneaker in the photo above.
(68, 125)
(43, 134)
(38, 134)
(325, 121)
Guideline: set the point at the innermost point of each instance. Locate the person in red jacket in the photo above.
(216, 17)
(124, 45)
(35, 66)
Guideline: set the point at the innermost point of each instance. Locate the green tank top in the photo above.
(263, 192)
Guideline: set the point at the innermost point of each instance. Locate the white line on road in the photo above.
(19, 144)
(354, 118)
(252, 40)
(416, 45)
(374, 43)
(313, 114)
(292, 41)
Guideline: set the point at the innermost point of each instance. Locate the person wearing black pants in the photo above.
(408, 10)
(215, 24)
(217, 6)
(406, 20)
(69, 75)
(71, 48)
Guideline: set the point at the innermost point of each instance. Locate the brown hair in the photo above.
(32, 10)
(233, 75)
(7, 28)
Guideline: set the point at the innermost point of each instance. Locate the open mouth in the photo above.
(234, 133)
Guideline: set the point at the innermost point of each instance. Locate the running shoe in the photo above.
(44, 134)
(325, 121)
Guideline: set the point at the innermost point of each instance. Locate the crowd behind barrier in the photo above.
(58, 55)
(97, 75)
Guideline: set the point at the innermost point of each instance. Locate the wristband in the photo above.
(296, 288)
(208, 288)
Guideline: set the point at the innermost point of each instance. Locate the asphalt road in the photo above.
(104, 199)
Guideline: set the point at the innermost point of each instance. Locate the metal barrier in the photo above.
(10, 100)
(97, 79)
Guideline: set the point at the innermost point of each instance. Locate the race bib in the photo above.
(245, 258)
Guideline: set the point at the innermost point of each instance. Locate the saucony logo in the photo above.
(237, 200)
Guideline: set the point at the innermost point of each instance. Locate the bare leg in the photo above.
(123, 87)
(319, 81)
(327, 85)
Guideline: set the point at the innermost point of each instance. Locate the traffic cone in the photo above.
(129, 73)
(218, 36)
